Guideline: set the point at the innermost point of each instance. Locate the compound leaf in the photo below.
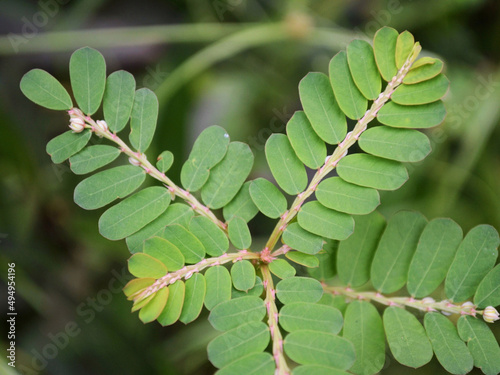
(450, 350)
(299, 289)
(321, 108)
(43, 89)
(317, 219)
(303, 315)
(133, 213)
(67, 144)
(342, 196)
(227, 177)
(384, 46)
(363, 328)
(395, 250)
(302, 240)
(475, 257)
(287, 169)
(308, 146)
(355, 254)
(364, 69)
(436, 249)
(416, 116)
(165, 251)
(118, 99)
(218, 286)
(192, 249)
(406, 337)
(194, 297)
(243, 275)
(372, 171)
(173, 308)
(231, 314)
(92, 158)
(405, 145)
(210, 235)
(308, 347)
(481, 343)
(143, 119)
(87, 71)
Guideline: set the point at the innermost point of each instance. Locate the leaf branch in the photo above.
(342, 149)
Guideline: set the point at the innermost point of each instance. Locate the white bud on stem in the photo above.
(102, 126)
(134, 161)
(490, 314)
(76, 124)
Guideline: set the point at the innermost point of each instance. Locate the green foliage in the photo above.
(185, 257)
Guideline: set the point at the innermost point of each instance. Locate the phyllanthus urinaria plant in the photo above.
(335, 280)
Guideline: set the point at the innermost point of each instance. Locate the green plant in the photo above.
(353, 257)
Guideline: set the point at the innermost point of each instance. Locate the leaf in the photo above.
(363, 328)
(208, 150)
(450, 350)
(153, 308)
(308, 146)
(342, 196)
(395, 250)
(67, 144)
(218, 286)
(92, 158)
(421, 93)
(145, 266)
(242, 205)
(104, 187)
(173, 308)
(165, 251)
(239, 234)
(239, 342)
(302, 240)
(227, 177)
(488, 291)
(194, 296)
(165, 161)
(133, 213)
(436, 249)
(423, 71)
(139, 304)
(321, 108)
(281, 268)
(405, 145)
(243, 275)
(302, 315)
(43, 89)
(404, 45)
(118, 99)
(355, 254)
(317, 370)
(475, 257)
(384, 46)
(252, 364)
(236, 312)
(481, 343)
(406, 337)
(349, 98)
(418, 116)
(267, 198)
(87, 71)
(306, 260)
(192, 249)
(363, 68)
(322, 221)
(334, 301)
(257, 290)
(210, 235)
(135, 286)
(143, 119)
(299, 289)
(176, 213)
(372, 171)
(287, 169)
(327, 262)
(308, 347)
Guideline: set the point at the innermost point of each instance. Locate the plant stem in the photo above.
(150, 169)
(426, 304)
(272, 313)
(341, 150)
(188, 271)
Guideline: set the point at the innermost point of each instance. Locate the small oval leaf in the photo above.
(172, 310)
(311, 316)
(67, 144)
(239, 234)
(192, 249)
(165, 251)
(210, 235)
(317, 219)
(231, 314)
(302, 240)
(194, 297)
(118, 99)
(143, 119)
(417, 116)
(384, 46)
(242, 205)
(243, 275)
(364, 69)
(92, 158)
(145, 266)
(299, 289)
(218, 286)
(43, 89)
(421, 93)
(269, 200)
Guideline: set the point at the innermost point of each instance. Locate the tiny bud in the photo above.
(490, 314)
(102, 126)
(467, 306)
(77, 125)
(428, 301)
(134, 161)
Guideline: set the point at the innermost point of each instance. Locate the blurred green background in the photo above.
(235, 63)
